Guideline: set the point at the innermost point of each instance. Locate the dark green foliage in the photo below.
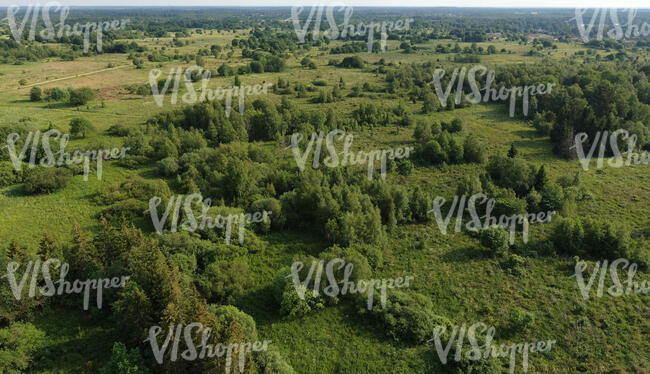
(474, 150)
(19, 343)
(495, 238)
(168, 166)
(80, 127)
(35, 94)
(124, 362)
(408, 317)
(272, 362)
(589, 237)
(47, 180)
(80, 96)
(355, 62)
(512, 173)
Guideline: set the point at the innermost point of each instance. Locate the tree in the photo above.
(81, 96)
(541, 179)
(474, 151)
(495, 238)
(80, 126)
(35, 94)
(46, 247)
(18, 344)
(512, 153)
(124, 362)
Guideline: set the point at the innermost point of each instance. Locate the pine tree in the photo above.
(541, 179)
(14, 252)
(237, 81)
(513, 152)
(46, 247)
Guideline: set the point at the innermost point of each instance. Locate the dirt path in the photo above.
(73, 76)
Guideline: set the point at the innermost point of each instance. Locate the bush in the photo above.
(19, 344)
(35, 94)
(272, 362)
(352, 62)
(224, 282)
(520, 319)
(80, 126)
(495, 238)
(81, 96)
(47, 180)
(126, 209)
(8, 174)
(408, 317)
(58, 94)
(404, 167)
(275, 220)
(567, 236)
(168, 166)
(474, 150)
(124, 362)
(119, 130)
(514, 264)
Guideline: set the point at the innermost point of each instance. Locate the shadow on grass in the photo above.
(17, 190)
(463, 254)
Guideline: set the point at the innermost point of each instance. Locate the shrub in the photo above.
(408, 317)
(224, 282)
(520, 319)
(552, 198)
(494, 238)
(168, 166)
(119, 130)
(124, 362)
(8, 174)
(126, 209)
(47, 180)
(275, 219)
(567, 236)
(19, 344)
(272, 362)
(422, 132)
(456, 125)
(474, 150)
(352, 62)
(58, 94)
(81, 96)
(35, 94)
(80, 126)
(514, 264)
(404, 167)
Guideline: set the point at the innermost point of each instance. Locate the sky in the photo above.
(421, 3)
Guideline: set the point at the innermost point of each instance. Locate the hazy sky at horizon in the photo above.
(402, 3)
